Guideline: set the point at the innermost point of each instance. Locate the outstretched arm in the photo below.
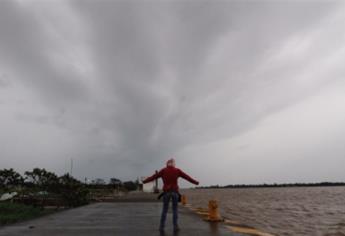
(188, 178)
(153, 177)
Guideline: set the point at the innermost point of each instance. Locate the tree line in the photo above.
(275, 185)
(43, 183)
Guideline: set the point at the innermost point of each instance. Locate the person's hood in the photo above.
(170, 163)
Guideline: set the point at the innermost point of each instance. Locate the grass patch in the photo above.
(15, 212)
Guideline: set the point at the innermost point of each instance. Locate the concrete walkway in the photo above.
(119, 218)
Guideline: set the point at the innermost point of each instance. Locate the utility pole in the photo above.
(71, 167)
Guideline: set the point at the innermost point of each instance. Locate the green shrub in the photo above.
(14, 212)
(72, 191)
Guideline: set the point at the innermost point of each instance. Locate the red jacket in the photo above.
(170, 175)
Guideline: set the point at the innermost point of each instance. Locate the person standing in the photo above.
(170, 174)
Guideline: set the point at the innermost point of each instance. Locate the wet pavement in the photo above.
(116, 218)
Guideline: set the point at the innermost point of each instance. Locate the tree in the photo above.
(114, 181)
(99, 181)
(130, 185)
(10, 178)
(45, 180)
(72, 191)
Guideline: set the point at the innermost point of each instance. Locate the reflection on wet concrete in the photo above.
(118, 218)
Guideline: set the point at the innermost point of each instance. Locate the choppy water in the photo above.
(316, 211)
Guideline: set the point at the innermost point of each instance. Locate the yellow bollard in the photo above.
(183, 199)
(213, 213)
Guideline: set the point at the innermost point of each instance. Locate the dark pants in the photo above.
(166, 199)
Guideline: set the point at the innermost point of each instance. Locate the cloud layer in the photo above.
(121, 86)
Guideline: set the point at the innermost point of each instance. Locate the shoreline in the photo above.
(297, 185)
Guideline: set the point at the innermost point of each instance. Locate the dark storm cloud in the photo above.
(24, 47)
(144, 38)
(4, 81)
(131, 53)
(131, 83)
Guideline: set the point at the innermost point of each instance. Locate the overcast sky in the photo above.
(238, 92)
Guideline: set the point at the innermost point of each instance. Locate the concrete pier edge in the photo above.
(232, 226)
(126, 217)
